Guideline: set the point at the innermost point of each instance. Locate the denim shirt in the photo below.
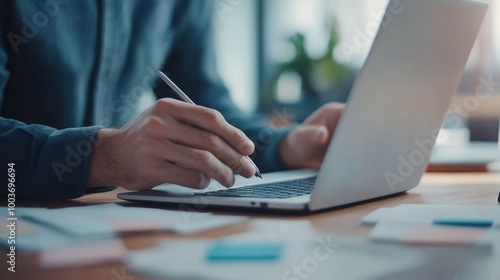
(70, 67)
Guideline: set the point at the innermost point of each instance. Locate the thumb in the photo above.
(303, 146)
(311, 135)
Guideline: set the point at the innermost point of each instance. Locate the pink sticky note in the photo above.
(83, 254)
(443, 235)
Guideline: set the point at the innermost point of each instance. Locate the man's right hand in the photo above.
(171, 142)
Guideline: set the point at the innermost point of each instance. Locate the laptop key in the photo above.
(273, 190)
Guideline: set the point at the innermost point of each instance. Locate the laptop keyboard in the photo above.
(271, 190)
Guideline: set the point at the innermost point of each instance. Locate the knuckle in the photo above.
(202, 157)
(248, 169)
(225, 176)
(164, 104)
(234, 164)
(240, 165)
(153, 124)
(199, 181)
(215, 116)
(211, 140)
(237, 136)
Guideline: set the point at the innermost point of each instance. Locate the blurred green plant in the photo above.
(318, 75)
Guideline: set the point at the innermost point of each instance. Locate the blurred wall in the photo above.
(236, 48)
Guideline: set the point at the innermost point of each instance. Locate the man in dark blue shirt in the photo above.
(70, 70)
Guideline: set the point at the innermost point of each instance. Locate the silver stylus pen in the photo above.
(186, 98)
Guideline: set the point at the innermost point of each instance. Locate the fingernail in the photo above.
(251, 144)
(247, 147)
(319, 133)
(234, 181)
(205, 182)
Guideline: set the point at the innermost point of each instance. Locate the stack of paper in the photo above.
(428, 213)
(436, 224)
(73, 235)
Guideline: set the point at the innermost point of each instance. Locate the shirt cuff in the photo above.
(64, 165)
(100, 189)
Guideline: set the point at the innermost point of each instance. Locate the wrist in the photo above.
(103, 167)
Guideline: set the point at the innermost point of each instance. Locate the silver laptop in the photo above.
(386, 134)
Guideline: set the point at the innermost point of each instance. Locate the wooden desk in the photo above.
(435, 188)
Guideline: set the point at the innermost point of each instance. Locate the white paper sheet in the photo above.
(350, 259)
(425, 213)
(53, 228)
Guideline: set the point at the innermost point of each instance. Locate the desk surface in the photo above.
(435, 188)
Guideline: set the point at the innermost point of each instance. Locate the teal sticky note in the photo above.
(464, 223)
(245, 252)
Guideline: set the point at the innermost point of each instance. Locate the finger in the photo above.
(320, 134)
(199, 160)
(328, 115)
(207, 119)
(311, 142)
(175, 174)
(310, 135)
(203, 140)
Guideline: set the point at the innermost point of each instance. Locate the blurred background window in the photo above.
(295, 55)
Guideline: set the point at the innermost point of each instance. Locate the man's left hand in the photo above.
(306, 145)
